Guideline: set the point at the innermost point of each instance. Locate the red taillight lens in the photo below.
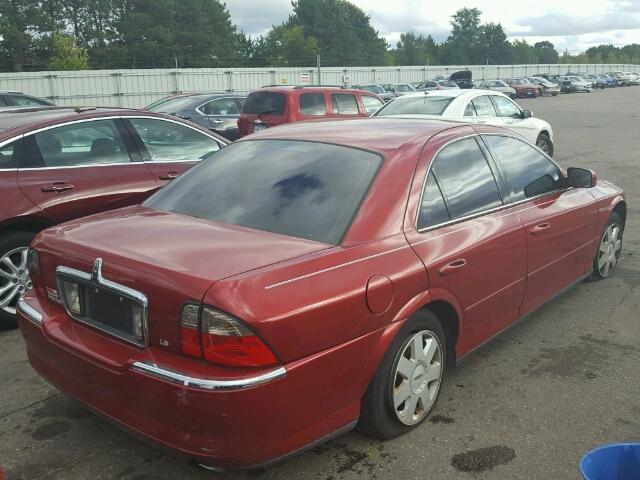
(227, 341)
(221, 339)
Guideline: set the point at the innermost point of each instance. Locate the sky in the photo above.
(574, 25)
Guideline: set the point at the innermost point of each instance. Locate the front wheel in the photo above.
(14, 274)
(608, 254)
(545, 144)
(406, 386)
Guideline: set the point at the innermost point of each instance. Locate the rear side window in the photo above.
(467, 181)
(344, 104)
(97, 142)
(484, 107)
(371, 104)
(296, 188)
(9, 155)
(170, 142)
(433, 210)
(529, 172)
(312, 104)
(265, 103)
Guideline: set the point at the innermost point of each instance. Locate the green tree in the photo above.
(343, 32)
(415, 49)
(462, 43)
(547, 52)
(523, 52)
(67, 55)
(492, 45)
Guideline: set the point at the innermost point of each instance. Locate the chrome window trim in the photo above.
(488, 211)
(173, 376)
(95, 278)
(223, 143)
(29, 312)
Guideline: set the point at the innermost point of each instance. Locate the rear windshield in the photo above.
(371, 88)
(266, 103)
(172, 105)
(422, 105)
(301, 189)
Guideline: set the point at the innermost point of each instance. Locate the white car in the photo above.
(473, 106)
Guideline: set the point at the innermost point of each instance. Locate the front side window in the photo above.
(419, 105)
(312, 104)
(467, 181)
(97, 142)
(484, 107)
(371, 104)
(221, 106)
(506, 107)
(171, 142)
(470, 111)
(301, 189)
(433, 211)
(529, 172)
(344, 104)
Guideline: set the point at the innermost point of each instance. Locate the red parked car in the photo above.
(523, 87)
(310, 278)
(271, 106)
(57, 164)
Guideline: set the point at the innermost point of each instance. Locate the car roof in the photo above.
(23, 120)
(445, 93)
(384, 135)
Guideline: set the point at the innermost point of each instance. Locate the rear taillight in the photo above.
(220, 338)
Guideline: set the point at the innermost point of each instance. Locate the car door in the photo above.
(559, 222)
(511, 115)
(221, 115)
(82, 168)
(344, 105)
(371, 104)
(482, 110)
(169, 148)
(472, 245)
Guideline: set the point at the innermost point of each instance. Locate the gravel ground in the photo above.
(527, 406)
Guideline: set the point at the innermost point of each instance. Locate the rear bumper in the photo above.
(222, 422)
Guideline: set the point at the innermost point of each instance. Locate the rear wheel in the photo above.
(14, 275)
(406, 386)
(545, 144)
(609, 250)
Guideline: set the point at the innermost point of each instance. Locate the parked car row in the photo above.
(205, 302)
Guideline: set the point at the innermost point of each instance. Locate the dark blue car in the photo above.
(218, 112)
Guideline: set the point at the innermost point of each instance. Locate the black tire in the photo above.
(378, 418)
(9, 242)
(545, 144)
(513, 95)
(614, 220)
(554, 94)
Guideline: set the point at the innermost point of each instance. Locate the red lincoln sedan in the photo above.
(61, 163)
(308, 279)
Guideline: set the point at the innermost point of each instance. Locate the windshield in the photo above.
(419, 105)
(297, 188)
(520, 81)
(448, 83)
(171, 105)
(270, 103)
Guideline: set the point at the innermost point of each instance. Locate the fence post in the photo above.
(273, 77)
(52, 87)
(118, 92)
(229, 75)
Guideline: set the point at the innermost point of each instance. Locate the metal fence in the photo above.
(137, 88)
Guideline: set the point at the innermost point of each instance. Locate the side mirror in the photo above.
(527, 114)
(581, 177)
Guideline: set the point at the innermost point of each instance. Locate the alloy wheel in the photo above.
(543, 145)
(417, 377)
(14, 278)
(609, 251)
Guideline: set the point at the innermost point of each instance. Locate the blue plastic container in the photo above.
(618, 461)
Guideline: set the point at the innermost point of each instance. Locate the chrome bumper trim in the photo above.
(206, 384)
(29, 312)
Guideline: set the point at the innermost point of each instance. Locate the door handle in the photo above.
(58, 187)
(217, 122)
(481, 121)
(540, 228)
(169, 175)
(453, 267)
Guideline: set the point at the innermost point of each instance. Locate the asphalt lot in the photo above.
(528, 406)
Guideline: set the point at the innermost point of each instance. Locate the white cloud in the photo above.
(572, 24)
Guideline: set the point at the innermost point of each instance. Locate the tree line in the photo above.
(101, 34)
